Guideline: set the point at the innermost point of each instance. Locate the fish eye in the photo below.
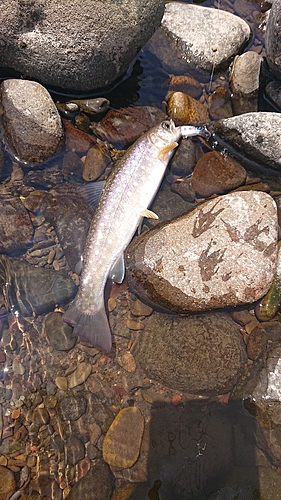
(166, 125)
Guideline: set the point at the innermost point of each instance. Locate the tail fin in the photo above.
(92, 327)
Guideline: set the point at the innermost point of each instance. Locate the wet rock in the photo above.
(183, 109)
(168, 205)
(254, 136)
(184, 189)
(74, 450)
(122, 128)
(61, 383)
(60, 335)
(43, 179)
(127, 362)
(273, 39)
(72, 167)
(97, 160)
(185, 157)
(245, 82)
(220, 103)
(121, 445)
(7, 482)
(97, 484)
(72, 407)
(16, 229)
(34, 290)
(217, 173)
(77, 140)
(185, 83)
(138, 308)
(173, 350)
(211, 261)
(95, 58)
(38, 416)
(263, 398)
(273, 93)
(31, 121)
(223, 36)
(71, 217)
(102, 414)
(80, 375)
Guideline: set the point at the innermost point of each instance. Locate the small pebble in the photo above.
(134, 325)
(127, 361)
(138, 308)
(80, 375)
(111, 304)
(61, 383)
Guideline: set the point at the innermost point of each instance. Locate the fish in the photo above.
(125, 200)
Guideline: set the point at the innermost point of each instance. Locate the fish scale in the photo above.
(127, 194)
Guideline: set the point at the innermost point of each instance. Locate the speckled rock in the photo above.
(216, 173)
(223, 253)
(273, 39)
(77, 47)
(121, 445)
(97, 484)
(60, 334)
(206, 38)
(16, 229)
(72, 407)
(254, 136)
(173, 350)
(262, 393)
(31, 121)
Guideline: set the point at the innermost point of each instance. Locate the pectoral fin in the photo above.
(149, 214)
(117, 272)
(164, 152)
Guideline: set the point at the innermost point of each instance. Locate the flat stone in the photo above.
(7, 482)
(16, 229)
(254, 136)
(97, 484)
(72, 407)
(74, 450)
(223, 253)
(31, 121)
(121, 445)
(173, 350)
(60, 334)
(38, 416)
(214, 45)
(80, 375)
(217, 173)
(184, 109)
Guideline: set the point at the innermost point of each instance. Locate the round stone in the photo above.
(121, 445)
(200, 354)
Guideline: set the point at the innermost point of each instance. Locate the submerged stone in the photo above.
(121, 445)
(97, 484)
(33, 290)
(16, 229)
(200, 354)
(222, 254)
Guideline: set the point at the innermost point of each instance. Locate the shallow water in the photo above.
(194, 450)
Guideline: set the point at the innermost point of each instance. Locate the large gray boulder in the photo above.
(273, 38)
(207, 38)
(73, 44)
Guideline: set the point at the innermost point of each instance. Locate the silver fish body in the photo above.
(126, 196)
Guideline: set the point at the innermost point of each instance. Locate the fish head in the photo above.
(164, 134)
